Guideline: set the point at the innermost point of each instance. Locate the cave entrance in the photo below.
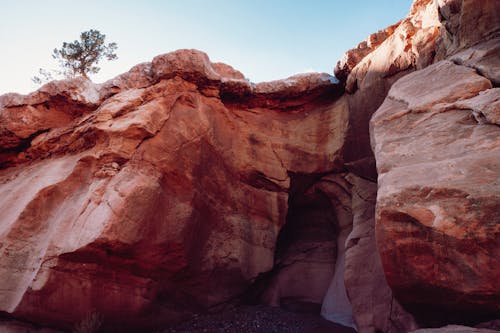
(305, 250)
(308, 272)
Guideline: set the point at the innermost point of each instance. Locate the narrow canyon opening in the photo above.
(308, 272)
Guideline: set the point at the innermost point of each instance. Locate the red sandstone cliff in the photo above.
(179, 185)
(157, 194)
(435, 139)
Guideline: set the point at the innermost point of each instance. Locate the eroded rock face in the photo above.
(175, 186)
(374, 305)
(408, 46)
(368, 72)
(454, 329)
(156, 194)
(437, 223)
(465, 23)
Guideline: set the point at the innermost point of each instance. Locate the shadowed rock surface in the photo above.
(179, 187)
(169, 193)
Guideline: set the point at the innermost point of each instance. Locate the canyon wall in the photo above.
(180, 186)
(158, 194)
(436, 141)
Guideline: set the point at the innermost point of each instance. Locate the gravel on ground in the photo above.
(258, 319)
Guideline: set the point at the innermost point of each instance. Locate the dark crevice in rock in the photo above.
(477, 70)
(259, 180)
(310, 217)
(8, 155)
(282, 100)
(305, 250)
(64, 104)
(467, 314)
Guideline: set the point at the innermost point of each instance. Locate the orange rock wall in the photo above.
(179, 185)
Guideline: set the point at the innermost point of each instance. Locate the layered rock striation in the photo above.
(180, 186)
(157, 194)
(437, 222)
(435, 142)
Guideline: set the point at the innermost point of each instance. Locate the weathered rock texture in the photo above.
(437, 146)
(179, 185)
(159, 193)
(465, 32)
(368, 75)
(438, 198)
(465, 23)
(454, 329)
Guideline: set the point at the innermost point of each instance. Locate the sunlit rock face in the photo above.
(437, 222)
(368, 72)
(409, 46)
(157, 194)
(179, 186)
(433, 142)
(437, 149)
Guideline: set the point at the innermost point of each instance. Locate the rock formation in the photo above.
(437, 209)
(465, 83)
(159, 193)
(454, 329)
(407, 46)
(436, 143)
(179, 186)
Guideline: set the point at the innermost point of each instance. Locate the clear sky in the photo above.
(264, 39)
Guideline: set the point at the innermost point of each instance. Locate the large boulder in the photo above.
(437, 148)
(465, 23)
(409, 46)
(369, 71)
(157, 194)
(454, 329)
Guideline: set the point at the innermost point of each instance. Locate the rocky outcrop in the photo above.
(437, 208)
(424, 37)
(157, 194)
(465, 23)
(25, 117)
(368, 75)
(180, 186)
(454, 329)
(352, 57)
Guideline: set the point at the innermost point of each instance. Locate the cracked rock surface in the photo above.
(437, 147)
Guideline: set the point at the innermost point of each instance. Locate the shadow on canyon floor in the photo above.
(258, 319)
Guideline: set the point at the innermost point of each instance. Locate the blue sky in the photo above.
(265, 39)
